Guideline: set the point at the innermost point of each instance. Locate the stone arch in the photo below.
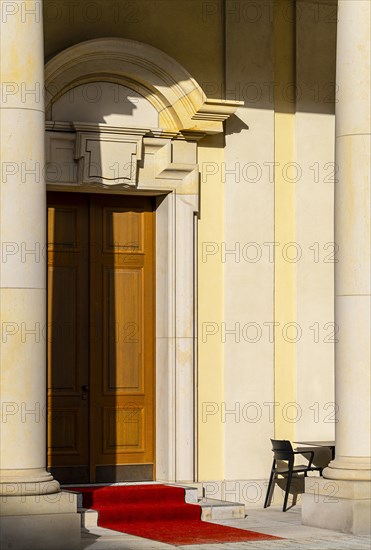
(179, 99)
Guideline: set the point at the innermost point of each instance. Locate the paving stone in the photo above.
(270, 521)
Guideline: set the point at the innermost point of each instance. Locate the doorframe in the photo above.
(176, 368)
(175, 331)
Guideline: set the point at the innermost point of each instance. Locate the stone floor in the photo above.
(271, 521)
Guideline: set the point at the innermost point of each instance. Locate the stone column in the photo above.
(342, 499)
(29, 492)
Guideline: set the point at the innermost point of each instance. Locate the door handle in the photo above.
(85, 390)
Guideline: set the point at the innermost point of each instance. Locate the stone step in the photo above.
(212, 509)
(89, 518)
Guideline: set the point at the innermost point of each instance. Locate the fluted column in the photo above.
(34, 513)
(352, 235)
(342, 499)
(23, 262)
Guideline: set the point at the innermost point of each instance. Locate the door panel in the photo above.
(122, 296)
(122, 287)
(68, 345)
(101, 337)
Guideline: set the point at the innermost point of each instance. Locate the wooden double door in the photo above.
(101, 360)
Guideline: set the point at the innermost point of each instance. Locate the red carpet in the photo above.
(158, 512)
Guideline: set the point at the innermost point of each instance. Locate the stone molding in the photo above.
(105, 157)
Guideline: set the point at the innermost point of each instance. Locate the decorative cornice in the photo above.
(99, 128)
(217, 109)
(185, 135)
(56, 126)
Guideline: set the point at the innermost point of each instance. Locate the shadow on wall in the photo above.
(281, 60)
(105, 102)
(231, 54)
(235, 125)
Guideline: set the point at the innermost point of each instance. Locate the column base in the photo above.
(340, 505)
(36, 481)
(40, 522)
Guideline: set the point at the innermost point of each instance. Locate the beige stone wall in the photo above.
(249, 223)
(211, 228)
(314, 225)
(288, 119)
